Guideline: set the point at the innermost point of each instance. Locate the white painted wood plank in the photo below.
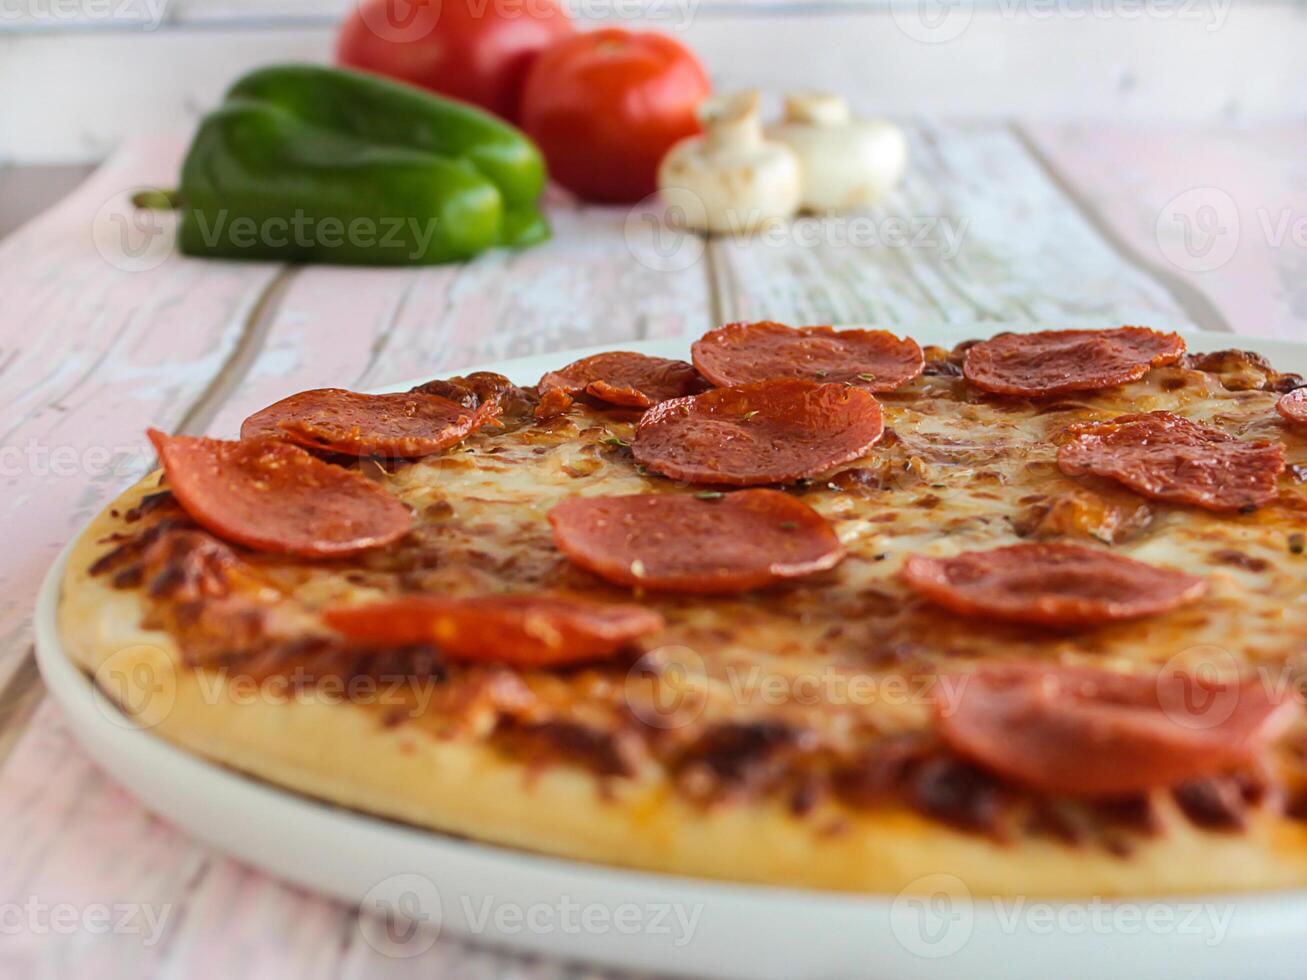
(64, 831)
(976, 232)
(96, 343)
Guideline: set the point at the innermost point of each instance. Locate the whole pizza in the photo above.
(818, 608)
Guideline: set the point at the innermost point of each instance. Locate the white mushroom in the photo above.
(730, 179)
(846, 163)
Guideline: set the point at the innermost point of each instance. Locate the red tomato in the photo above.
(475, 50)
(605, 106)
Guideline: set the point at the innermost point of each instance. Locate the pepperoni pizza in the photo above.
(817, 607)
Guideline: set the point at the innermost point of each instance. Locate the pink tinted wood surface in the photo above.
(1221, 209)
(104, 333)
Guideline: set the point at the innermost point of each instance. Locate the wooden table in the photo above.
(995, 224)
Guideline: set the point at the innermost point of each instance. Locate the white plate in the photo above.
(659, 922)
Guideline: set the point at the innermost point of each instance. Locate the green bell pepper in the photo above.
(313, 164)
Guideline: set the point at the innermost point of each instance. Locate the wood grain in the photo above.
(106, 332)
(977, 233)
(1221, 210)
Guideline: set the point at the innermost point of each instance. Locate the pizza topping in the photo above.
(739, 759)
(1241, 370)
(620, 378)
(768, 432)
(740, 353)
(680, 542)
(401, 425)
(1083, 732)
(1167, 457)
(270, 495)
(604, 751)
(1050, 584)
(1108, 513)
(524, 630)
(471, 390)
(961, 795)
(1055, 362)
(1293, 406)
(1220, 802)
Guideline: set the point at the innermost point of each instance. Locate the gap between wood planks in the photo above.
(25, 688)
(1201, 310)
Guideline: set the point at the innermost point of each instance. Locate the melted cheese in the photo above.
(851, 653)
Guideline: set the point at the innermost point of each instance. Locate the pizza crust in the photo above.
(345, 754)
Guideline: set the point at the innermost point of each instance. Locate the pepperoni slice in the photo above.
(740, 353)
(1293, 406)
(515, 405)
(688, 543)
(528, 630)
(1054, 362)
(620, 378)
(1050, 584)
(1082, 732)
(769, 432)
(270, 495)
(1164, 456)
(402, 425)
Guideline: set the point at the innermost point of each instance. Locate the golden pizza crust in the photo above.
(345, 754)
